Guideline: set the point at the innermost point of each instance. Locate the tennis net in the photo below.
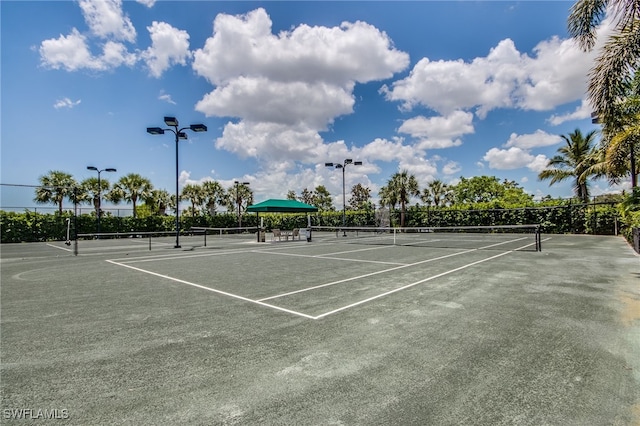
(503, 237)
(153, 240)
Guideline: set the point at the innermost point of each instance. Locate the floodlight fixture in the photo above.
(155, 130)
(171, 121)
(328, 164)
(182, 135)
(198, 128)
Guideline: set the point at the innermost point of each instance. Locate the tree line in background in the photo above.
(58, 186)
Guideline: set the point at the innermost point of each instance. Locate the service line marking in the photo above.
(326, 256)
(365, 275)
(224, 293)
(421, 281)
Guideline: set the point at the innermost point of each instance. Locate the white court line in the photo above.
(365, 275)
(173, 256)
(354, 251)
(324, 256)
(409, 285)
(235, 296)
(59, 248)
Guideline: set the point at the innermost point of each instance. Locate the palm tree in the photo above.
(239, 197)
(400, 188)
(387, 197)
(618, 61)
(213, 194)
(574, 160)
(194, 193)
(435, 192)
(132, 188)
(160, 199)
(93, 193)
(55, 187)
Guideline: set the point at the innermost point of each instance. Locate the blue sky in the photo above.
(442, 89)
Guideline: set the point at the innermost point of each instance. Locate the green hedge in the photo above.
(565, 218)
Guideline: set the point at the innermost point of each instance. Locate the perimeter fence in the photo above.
(39, 224)
(47, 222)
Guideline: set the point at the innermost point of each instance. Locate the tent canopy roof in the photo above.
(282, 206)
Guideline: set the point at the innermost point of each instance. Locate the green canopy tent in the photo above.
(280, 206)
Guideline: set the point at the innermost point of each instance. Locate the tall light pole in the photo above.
(95, 169)
(179, 134)
(236, 183)
(344, 192)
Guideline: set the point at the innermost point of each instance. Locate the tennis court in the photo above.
(356, 329)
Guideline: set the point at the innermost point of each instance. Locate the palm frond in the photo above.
(614, 70)
(584, 18)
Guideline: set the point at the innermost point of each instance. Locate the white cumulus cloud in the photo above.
(537, 139)
(555, 74)
(439, 132)
(169, 46)
(287, 85)
(106, 19)
(514, 158)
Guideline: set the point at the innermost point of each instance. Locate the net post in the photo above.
(538, 239)
(205, 237)
(75, 221)
(149, 242)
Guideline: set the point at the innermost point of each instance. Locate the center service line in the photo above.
(365, 275)
(408, 286)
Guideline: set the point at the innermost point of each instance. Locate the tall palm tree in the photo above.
(574, 160)
(618, 61)
(55, 187)
(387, 197)
(214, 195)
(94, 192)
(401, 187)
(195, 194)
(160, 200)
(238, 198)
(132, 188)
(434, 192)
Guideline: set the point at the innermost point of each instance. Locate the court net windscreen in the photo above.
(504, 237)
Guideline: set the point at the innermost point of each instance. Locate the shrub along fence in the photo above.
(569, 218)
